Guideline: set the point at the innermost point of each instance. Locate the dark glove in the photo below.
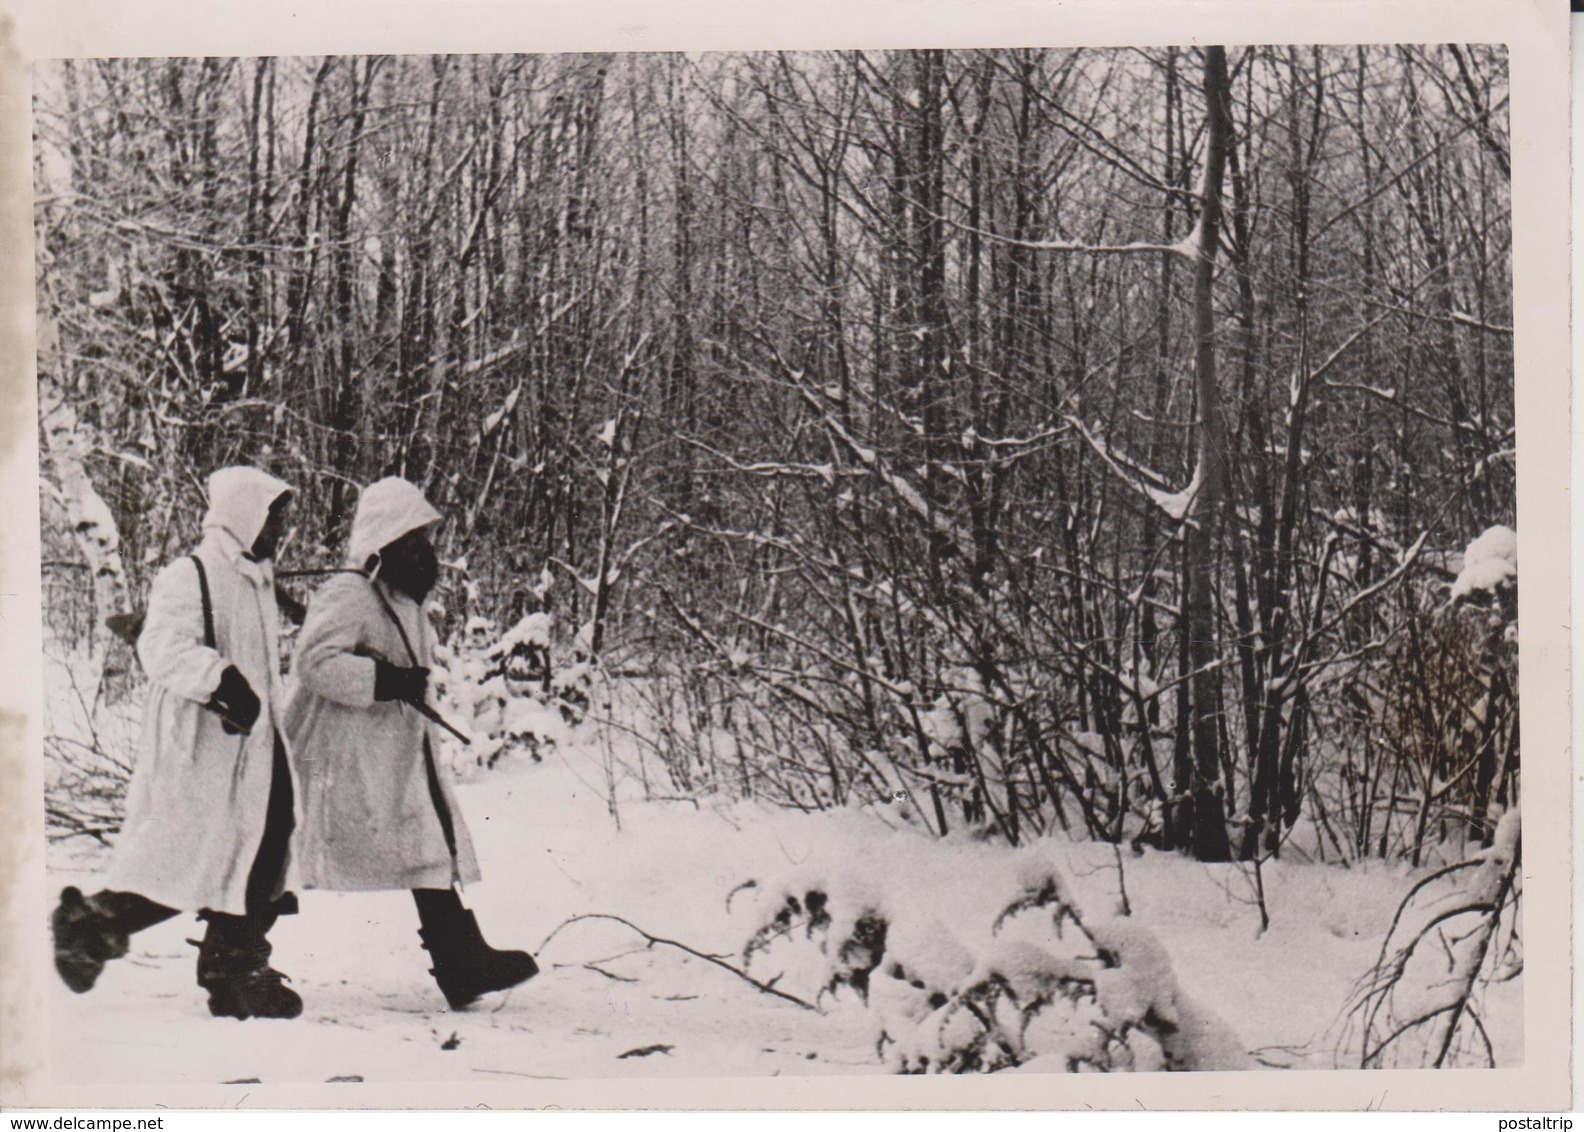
(406, 684)
(235, 702)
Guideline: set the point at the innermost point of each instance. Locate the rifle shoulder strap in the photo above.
(208, 607)
(412, 654)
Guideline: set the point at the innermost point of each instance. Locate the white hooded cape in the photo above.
(373, 816)
(198, 797)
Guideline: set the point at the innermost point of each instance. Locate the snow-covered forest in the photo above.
(1011, 552)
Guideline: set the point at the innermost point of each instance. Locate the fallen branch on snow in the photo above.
(766, 988)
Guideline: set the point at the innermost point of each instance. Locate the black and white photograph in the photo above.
(820, 563)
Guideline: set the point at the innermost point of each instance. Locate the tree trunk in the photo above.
(1210, 841)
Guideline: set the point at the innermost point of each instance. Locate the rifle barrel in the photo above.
(433, 716)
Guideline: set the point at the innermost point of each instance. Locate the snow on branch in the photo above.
(768, 468)
(1489, 563)
(1454, 932)
(1404, 565)
(1469, 320)
(1188, 247)
(904, 491)
(1176, 505)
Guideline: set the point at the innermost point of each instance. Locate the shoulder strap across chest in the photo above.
(390, 611)
(208, 606)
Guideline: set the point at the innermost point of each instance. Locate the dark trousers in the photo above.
(262, 901)
(437, 905)
(133, 912)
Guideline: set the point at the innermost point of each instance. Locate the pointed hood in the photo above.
(386, 510)
(239, 501)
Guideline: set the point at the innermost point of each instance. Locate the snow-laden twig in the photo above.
(771, 468)
(1175, 505)
(908, 495)
(1187, 247)
(1443, 991)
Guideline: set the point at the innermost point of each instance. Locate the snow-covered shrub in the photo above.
(89, 748)
(1422, 732)
(1045, 988)
(718, 724)
(852, 947)
(502, 690)
(1490, 565)
(1452, 698)
(93, 683)
(1454, 935)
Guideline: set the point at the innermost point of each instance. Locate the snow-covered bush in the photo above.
(1422, 730)
(504, 691)
(1045, 988)
(1452, 699)
(1455, 934)
(853, 947)
(1490, 565)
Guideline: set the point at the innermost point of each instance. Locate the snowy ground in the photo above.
(605, 1005)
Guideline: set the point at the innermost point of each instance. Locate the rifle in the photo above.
(419, 706)
(128, 625)
(435, 717)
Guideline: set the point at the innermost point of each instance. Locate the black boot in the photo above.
(86, 938)
(465, 967)
(233, 966)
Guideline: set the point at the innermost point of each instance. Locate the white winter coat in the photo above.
(196, 804)
(369, 821)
